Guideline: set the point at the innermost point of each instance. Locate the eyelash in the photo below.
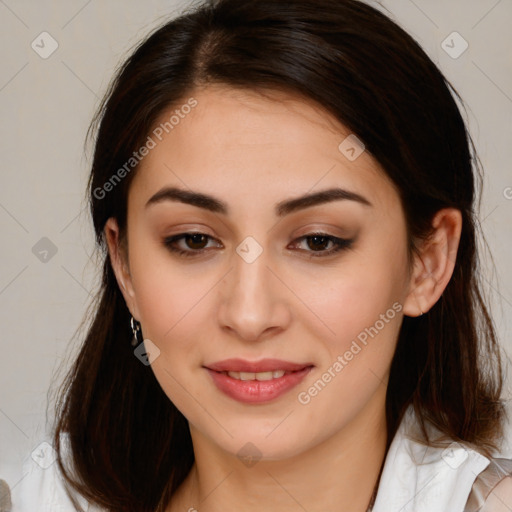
(339, 243)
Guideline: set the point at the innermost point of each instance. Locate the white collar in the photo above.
(420, 478)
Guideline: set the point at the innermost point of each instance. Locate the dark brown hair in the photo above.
(130, 448)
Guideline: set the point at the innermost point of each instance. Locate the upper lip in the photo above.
(264, 365)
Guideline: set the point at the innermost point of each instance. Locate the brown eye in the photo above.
(196, 240)
(193, 243)
(317, 244)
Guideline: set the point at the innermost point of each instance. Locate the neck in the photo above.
(338, 474)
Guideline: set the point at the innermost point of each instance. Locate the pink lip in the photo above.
(254, 391)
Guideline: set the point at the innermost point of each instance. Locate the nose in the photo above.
(254, 301)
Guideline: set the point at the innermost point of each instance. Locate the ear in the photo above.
(119, 260)
(434, 263)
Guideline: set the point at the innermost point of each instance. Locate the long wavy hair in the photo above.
(128, 447)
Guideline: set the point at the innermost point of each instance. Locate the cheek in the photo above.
(351, 297)
(170, 307)
(168, 296)
(173, 316)
(360, 307)
(364, 317)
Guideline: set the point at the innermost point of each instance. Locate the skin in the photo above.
(253, 151)
(500, 498)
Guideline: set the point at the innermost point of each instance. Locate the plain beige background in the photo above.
(47, 104)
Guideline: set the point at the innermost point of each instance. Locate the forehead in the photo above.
(254, 146)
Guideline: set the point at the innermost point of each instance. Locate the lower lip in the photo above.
(257, 391)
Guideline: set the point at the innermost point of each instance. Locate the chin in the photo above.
(260, 440)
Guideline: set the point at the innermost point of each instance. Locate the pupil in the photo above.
(196, 239)
(316, 239)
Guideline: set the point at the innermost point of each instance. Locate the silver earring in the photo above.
(137, 335)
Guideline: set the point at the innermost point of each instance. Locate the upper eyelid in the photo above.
(318, 232)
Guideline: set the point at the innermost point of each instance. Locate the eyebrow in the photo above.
(283, 208)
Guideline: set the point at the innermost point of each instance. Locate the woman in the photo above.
(291, 314)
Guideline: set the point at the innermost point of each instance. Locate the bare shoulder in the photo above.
(500, 498)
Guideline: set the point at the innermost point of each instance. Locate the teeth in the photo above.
(276, 374)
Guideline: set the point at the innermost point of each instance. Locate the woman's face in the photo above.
(253, 284)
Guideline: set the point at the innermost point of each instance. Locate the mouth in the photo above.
(257, 382)
(261, 376)
(256, 367)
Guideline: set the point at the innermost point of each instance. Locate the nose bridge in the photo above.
(251, 283)
(252, 302)
(251, 264)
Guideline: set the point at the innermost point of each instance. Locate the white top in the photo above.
(415, 478)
